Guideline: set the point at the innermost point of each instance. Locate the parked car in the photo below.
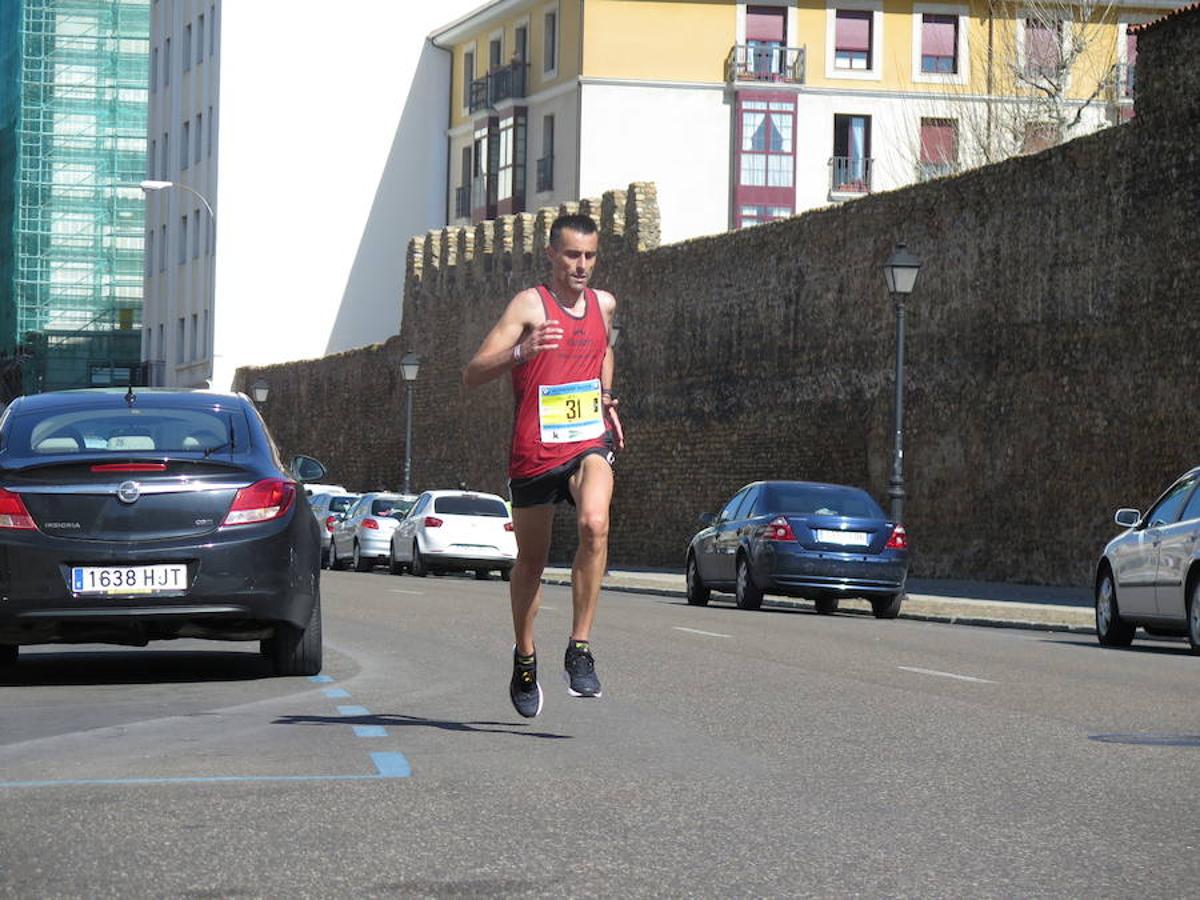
(803, 539)
(327, 509)
(313, 489)
(1149, 575)
(363, 536)
(455, 531)
(144, 515)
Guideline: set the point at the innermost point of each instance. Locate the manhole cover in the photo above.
(1153, 740)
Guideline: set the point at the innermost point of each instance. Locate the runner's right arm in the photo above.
(521, 334)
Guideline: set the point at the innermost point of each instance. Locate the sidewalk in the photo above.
(956, 602)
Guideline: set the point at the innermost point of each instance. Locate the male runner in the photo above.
(554, 341)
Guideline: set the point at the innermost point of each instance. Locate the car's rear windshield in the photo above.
(401, 508)
(809, 500)
(341, 504)
(470, 506)
(128, 430)
(384, 506)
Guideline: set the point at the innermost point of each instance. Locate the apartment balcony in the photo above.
(849, 176)
(462, 202)
(769, 63)
(506, 83)
(927, 171)
(545, 174)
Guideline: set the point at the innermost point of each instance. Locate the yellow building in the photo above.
(746, 112)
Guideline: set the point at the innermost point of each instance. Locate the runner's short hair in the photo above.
(576, 222)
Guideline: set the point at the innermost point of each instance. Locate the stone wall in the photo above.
(1050, 343)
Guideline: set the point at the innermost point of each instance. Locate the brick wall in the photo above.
(1051, 341)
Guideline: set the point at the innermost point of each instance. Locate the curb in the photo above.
(949, 619)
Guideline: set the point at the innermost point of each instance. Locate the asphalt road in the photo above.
(734, 754)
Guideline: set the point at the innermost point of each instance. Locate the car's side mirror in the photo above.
(707, 518)
(1127, 518)
(305, 468)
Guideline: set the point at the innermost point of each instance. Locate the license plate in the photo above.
(845, 538)
(164, 578)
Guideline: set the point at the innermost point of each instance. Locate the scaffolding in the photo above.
(76, 308)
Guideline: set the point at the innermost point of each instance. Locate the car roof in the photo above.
(436, 494)
(114, 398)
(808, 484)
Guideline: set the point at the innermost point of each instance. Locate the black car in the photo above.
(803, 539)
(129, 516)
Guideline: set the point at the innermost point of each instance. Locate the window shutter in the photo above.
(938, 35)
(854, 31)
(766, 24)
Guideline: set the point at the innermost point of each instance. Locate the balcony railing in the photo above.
(462, 202)
(927, 171)
(545, 174)
(765, 62)
(849, 175)
(506, 83)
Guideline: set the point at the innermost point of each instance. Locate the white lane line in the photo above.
(945, 675)
(398, 591)
(698, 631)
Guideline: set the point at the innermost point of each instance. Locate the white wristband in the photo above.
(517, 354)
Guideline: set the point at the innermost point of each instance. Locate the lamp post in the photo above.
(259, 390)
(151, 185)
(410, 364)
(900, 271)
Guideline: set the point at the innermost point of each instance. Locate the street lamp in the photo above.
(900, 271)
(260, 389)
(410, 364)
(152, 185)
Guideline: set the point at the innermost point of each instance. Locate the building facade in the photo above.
(746, 112)
(72, 149)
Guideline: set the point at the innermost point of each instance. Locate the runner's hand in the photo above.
(610, 410)
(545, 336)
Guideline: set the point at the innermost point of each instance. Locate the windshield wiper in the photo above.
(230, 444)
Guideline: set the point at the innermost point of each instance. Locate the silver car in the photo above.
(363, 537)
(1149, 575)
(327, 509)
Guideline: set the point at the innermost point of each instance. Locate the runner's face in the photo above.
(572, 261)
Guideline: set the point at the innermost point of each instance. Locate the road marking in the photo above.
(320, 679)
(336, 692)
(391, 765)
(383, 770)
(698, 631)
(398, 591)
(370, 731)
(945, 675)
(353, 711)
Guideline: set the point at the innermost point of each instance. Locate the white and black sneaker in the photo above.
(579, 668)
(523, 689)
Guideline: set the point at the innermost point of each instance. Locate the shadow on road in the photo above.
(124, 666)
(1141, 646)
(396, 720)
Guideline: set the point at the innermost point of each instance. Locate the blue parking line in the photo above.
(391, 765)
(370, 731)
(353, 711)
(336, 692)
(320, 679)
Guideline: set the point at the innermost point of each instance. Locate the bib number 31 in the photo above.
(570, 412)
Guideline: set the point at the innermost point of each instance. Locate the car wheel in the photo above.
(360, 564)
(887, 607)
(697, 593)
(1193, 619)
(1111, 629)
(506, 574)
(296, 651)
(334, 562)
(482, 574)
(394, 565)
(418, 566)
(324, 558)
(746, 592)
(826, 606)
(8, 654)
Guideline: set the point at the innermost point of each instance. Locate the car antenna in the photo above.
(129, 395)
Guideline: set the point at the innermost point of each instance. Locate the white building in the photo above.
(317, 136)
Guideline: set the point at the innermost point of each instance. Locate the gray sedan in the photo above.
(1149, 575)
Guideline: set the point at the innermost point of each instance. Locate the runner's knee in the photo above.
(593, 526)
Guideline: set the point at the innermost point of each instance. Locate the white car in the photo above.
(459, 531)
(361, 538)
(327, 509)
(1150, 574)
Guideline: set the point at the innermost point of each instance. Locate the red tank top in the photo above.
(579, 357)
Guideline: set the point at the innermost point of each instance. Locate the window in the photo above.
(150, 158)
(939, 148)
(195, 335)
(199, 133)
(766, 37)
(510, 164)
(204, 337)
(550, 41)
(1043, 48)
(162, 259)
(149, 254)
(521, 43)
(1192, 510)
(200, 39)
(495, 53)
(185, 145)
(468, 76)
(187, 47)
(1039, 136)
(182, 239)
(167, 62)
(731, 507)
(756, 215)
(851, 161)
(462, 193)
(162, 345)
(210, 131)
(1166, 511)
(766, 143)
(196, 234)
(181, 325)
(154, 71)
(166, 155)
(939, 44)
(853, 37)
(545, 165)
(470, 506)
(212, 29)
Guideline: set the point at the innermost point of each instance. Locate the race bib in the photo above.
(570, 412)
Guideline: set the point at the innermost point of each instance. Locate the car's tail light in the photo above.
(898, 540)
(508, 526)
(330, 521)
(130, 467)
(262, 501)
(433, 522)
(13, 513)
(780, 530)
(370, 523)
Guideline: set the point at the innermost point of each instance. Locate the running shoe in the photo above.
(523, 689)
(580, 670)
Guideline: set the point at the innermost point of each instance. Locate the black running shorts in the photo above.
(552, 486)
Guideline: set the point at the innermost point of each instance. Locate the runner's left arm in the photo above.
(610, 402)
